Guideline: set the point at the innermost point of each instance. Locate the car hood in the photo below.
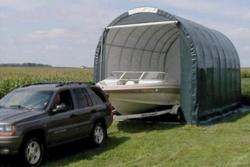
(15, 115)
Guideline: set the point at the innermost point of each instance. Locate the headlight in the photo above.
(7, 130)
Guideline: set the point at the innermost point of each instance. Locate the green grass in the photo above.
(129, 144)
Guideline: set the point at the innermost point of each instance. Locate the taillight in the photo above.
(110, 108)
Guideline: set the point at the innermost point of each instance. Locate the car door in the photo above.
(84, 110)
(61, 125)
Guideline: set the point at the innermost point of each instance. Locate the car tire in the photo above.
(98, 135)
(32, 152)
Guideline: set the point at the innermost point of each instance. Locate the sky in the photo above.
(66, 32)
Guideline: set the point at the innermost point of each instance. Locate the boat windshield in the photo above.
(116, 75)
(153, 76)
(132, 76)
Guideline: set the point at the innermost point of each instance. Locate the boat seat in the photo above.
(130, 83)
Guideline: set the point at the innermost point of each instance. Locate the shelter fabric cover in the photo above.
(209, 66)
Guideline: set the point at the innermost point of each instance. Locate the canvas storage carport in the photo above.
(202, 60)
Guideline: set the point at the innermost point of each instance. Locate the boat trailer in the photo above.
(174, 111)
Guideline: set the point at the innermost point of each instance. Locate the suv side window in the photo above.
(82, 98)
(64, 98)
(99, 93)
(96, 98)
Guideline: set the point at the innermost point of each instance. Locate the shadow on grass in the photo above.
(234, 117)
(136, 126)
(230, 117)
(80, 150)
(9, 161)
(68, 153)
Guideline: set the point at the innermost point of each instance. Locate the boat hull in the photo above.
(136, 100)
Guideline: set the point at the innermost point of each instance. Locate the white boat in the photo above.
(132, 92)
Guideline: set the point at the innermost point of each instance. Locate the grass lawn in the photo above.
(131, 144)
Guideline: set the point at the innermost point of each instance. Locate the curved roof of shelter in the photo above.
(204, 41)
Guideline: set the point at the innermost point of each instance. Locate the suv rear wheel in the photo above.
(33, 152)
(99, 134)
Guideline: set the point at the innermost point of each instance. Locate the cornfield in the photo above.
(11, 78)
(245, 84)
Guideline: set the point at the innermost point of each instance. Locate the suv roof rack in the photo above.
(58, 84)
(76, 83)
(39, 83)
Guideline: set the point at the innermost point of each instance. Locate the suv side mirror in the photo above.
(59, 108)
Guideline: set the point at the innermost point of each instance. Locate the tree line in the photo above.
(24, 65)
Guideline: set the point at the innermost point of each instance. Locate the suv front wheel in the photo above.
(33, 152)
(99, 134)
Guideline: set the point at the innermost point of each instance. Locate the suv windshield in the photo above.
(27, 99)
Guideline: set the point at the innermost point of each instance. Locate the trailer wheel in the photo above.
(180, 115)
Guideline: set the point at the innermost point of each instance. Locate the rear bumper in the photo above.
(10, 145)
(109, 120)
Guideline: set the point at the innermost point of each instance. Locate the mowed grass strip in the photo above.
(137, 144)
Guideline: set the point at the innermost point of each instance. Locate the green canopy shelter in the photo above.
(202, 60)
